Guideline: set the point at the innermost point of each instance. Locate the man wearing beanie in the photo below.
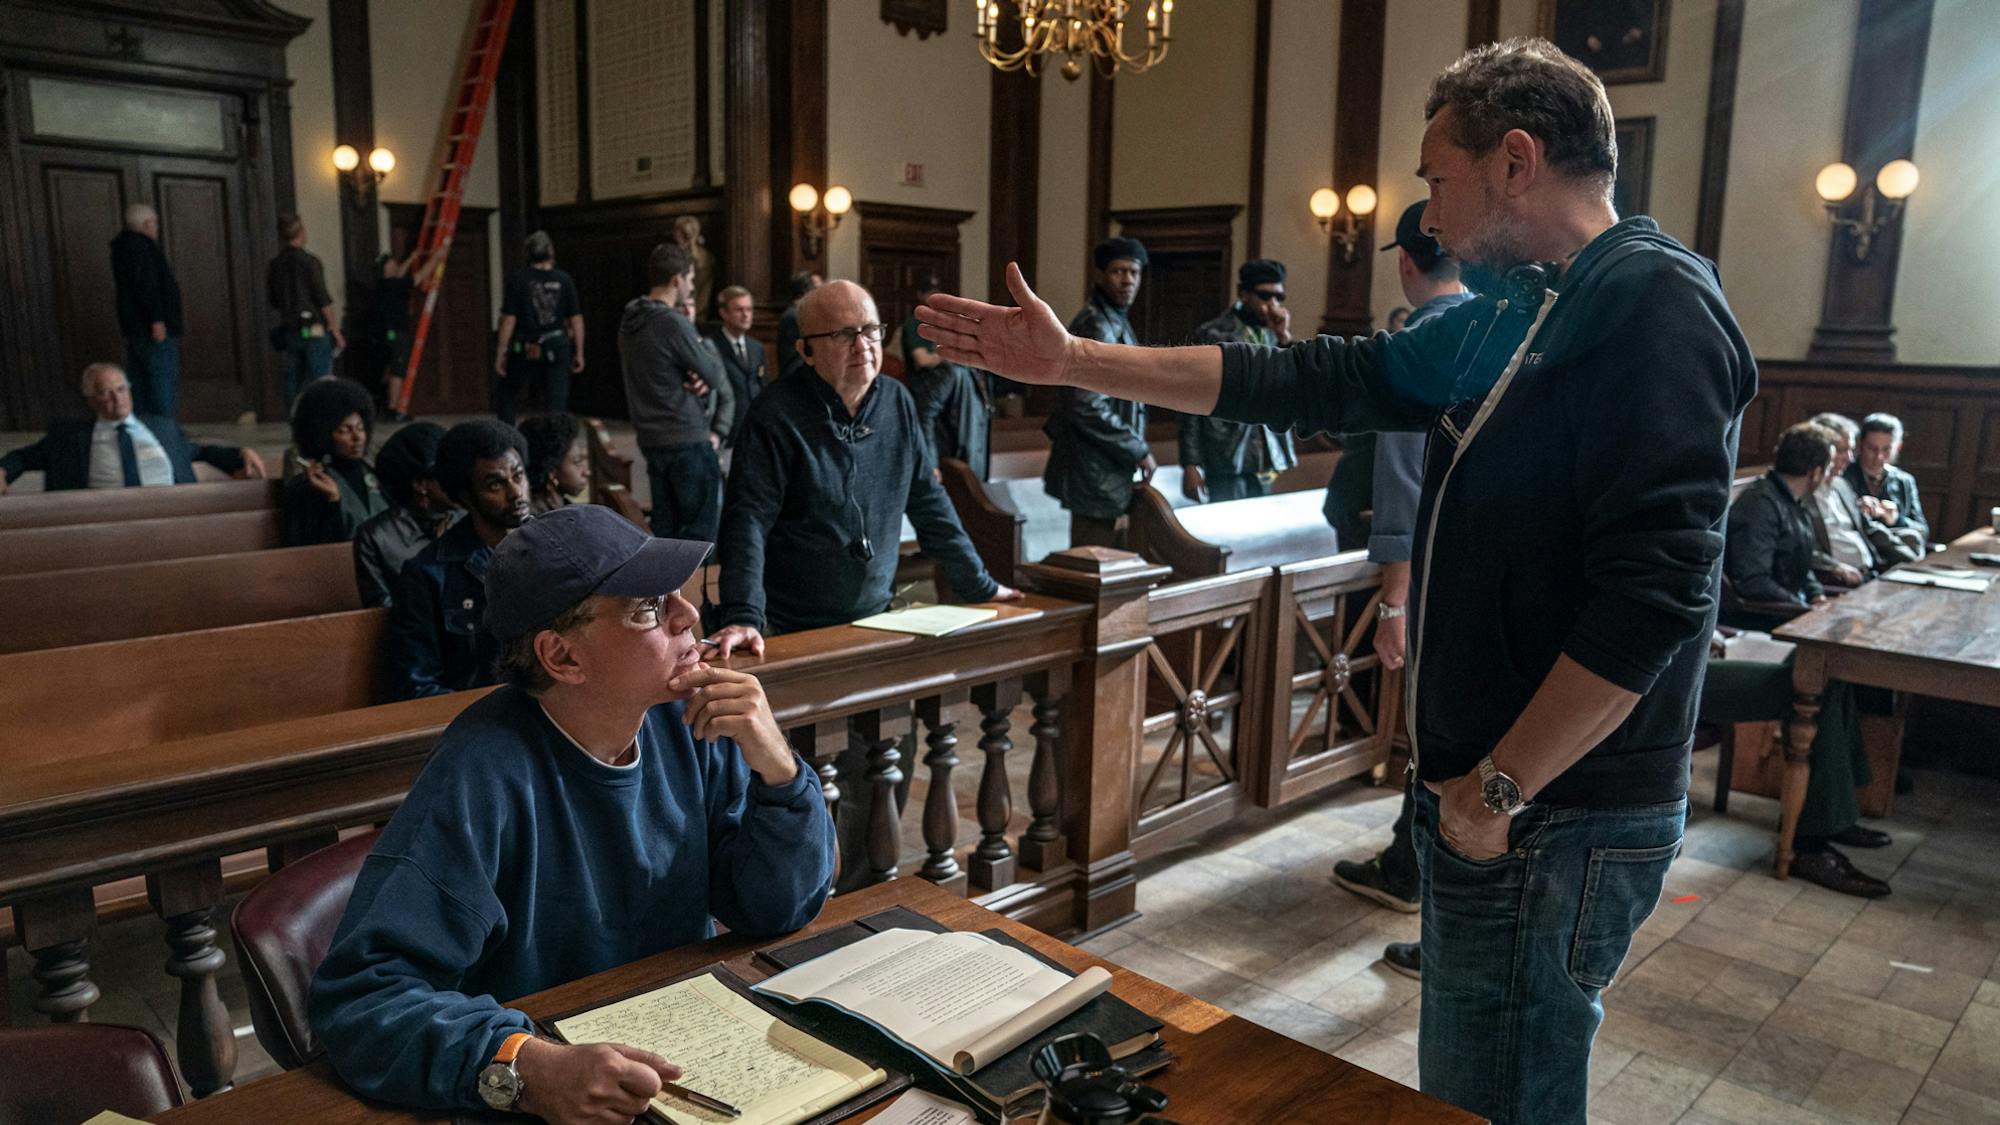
(1096, 442)
(1224, 460)
(603, 805)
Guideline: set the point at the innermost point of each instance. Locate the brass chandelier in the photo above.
(1076, 30)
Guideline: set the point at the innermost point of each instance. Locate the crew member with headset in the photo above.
(828, 463)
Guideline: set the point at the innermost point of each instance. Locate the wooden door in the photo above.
(78, 200)
(900, 246)
(1188, 280)
(455, 375)
(202, 232)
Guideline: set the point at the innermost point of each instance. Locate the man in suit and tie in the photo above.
(742, 353)
(119, 449)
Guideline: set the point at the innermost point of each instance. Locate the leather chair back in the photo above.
(74, 1071)
(282, 929)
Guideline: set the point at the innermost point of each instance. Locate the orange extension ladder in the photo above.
(451, 163)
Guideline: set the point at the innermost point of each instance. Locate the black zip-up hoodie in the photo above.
(1582, 445)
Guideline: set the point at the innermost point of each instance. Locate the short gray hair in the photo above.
(1840, 423)
(138, 215)
(91, 372)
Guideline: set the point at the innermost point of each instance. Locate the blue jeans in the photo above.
(306, 359)
(153, 367)
(687, 491)
(1518, 948)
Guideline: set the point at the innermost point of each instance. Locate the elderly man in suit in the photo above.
(742, 354)
(120, 449)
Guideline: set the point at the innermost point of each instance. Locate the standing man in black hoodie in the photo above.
(1584, 416)
(149, 313)
(669, 377)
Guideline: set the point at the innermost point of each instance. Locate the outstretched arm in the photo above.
(1028, 343)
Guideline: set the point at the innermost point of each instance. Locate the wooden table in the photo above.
(1919, 639)
(1229, 1069)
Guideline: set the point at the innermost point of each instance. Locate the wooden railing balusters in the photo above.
(992, 863)
(186, 898)
(940, 715)
(883, 729)
(1043, 845)
(56, 928)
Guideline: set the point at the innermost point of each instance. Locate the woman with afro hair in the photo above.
(335, 490)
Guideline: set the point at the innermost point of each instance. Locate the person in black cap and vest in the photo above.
(1224, 460)
(604, 805)
(1096, 442)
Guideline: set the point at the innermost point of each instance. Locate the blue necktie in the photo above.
(128, 455)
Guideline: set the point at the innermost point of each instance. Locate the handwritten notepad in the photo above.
(928, 620)
(728, 1048)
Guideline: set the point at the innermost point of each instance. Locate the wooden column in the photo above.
(1260, 124)
(1099, 723)
(1013, 174)
(1357, 135)
(750, 195)
(354, 124)
(883, 730)
(56, 929)
(516, 136)
(1724, 62)
(1482, 23)
(185, 898)
(1097, 172)
(1883, 89)
(992, 861)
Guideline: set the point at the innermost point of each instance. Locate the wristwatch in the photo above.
(1384, 611)
(1501, 793)
(500, 1084)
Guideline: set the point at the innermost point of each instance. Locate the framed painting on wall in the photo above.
(1631, 192)
(1622, 40)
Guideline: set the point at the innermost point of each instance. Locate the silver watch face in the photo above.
(499, 1086)
(1500, 793)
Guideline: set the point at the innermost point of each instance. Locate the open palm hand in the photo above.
(1027, 343)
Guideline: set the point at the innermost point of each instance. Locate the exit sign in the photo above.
(913, 175)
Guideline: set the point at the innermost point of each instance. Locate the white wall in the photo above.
(895, 99)
(1298, 148)
(1791, 98)
(1418, 41)
(1062, 218)
(1946, 286)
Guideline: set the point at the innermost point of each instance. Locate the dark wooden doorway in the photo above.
(455, 375)
(1188, 276)
(900, 247)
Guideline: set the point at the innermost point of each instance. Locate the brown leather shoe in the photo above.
(1831, 870)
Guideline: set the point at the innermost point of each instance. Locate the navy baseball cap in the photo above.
(1411, 236)
(555, 561)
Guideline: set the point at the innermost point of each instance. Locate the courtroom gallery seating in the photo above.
(71, 1072)
(282, 930)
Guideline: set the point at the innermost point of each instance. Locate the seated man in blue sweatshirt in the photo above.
(607, 802)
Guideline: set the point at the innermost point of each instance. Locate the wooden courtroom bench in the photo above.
(57, 608)
(1198, 540)
(68, 547)
(106, 505)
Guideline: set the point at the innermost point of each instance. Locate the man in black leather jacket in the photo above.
(1096, 441)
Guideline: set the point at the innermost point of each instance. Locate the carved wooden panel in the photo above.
(900, 245)
(925, 17)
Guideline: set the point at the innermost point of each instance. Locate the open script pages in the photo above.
(962, 999)
(727, 1048)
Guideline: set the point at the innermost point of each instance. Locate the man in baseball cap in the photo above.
(602, 805)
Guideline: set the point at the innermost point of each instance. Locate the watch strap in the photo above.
(511, 1047)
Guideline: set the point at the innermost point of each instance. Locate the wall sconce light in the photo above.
(347, 162)
(1325, 204)
(1881, 201)
(818, 215)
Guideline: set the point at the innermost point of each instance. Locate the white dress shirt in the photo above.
(1844, 540)
(105, 469)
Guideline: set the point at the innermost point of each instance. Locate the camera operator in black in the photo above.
(541, 331)
(829, 462)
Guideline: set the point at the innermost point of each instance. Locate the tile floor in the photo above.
(1756, 1001)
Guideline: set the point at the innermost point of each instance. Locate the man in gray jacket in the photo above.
(1096, 441)
(669, 373)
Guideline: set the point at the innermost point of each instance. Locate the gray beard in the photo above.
(1497, 248)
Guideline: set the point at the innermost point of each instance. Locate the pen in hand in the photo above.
(702, 1100)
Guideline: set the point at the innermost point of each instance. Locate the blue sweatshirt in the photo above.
(519, 862)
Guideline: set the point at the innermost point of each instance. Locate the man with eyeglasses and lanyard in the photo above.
(1225, 460)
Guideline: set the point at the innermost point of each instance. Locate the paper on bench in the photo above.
(962, 999)
(1919, 577)
(928, 620)
(727, 1048)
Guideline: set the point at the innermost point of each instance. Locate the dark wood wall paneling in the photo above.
(1260, 124)
(1189, 278)
(455, 373)
(1951, 420)
(1891, 39)
(1097, 171)
(1013, 175)
(1357, 134)
(236, 54)
(1482, 23)
(1723, 65)
(353, 67)
(516, 135)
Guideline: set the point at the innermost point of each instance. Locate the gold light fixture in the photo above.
(1325, 204)
(347, 162)
(1881, 201)
(818, 214)
(1080, 31)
